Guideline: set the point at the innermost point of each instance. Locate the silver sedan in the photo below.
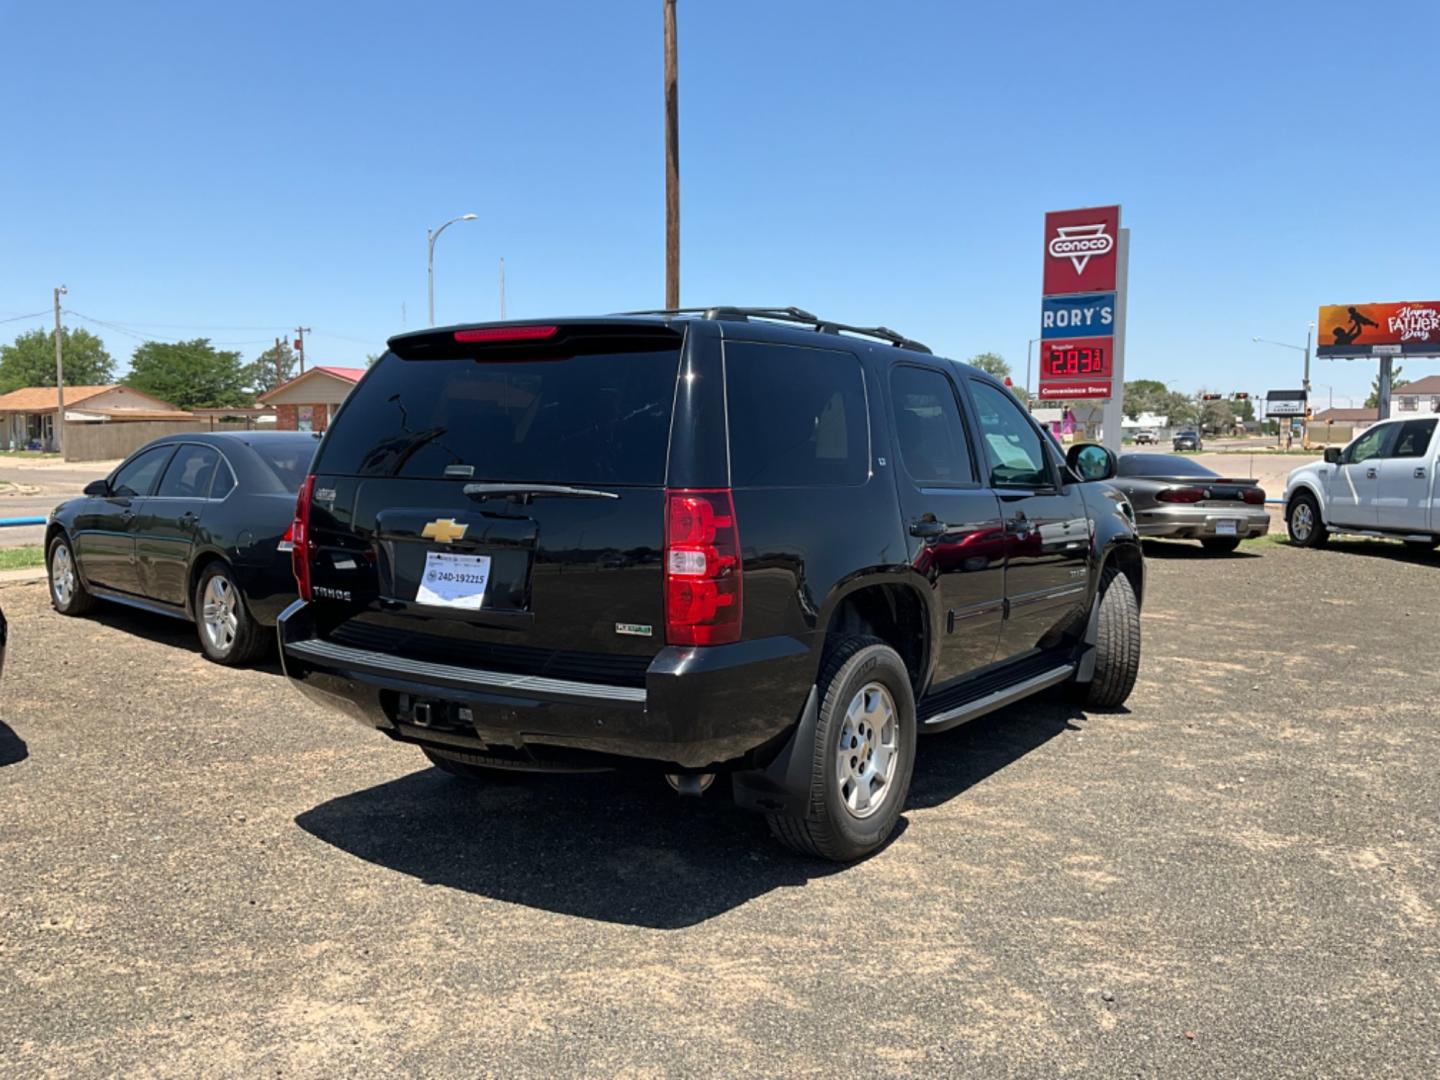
(1179, 499)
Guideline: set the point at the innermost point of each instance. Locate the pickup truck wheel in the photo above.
(863, 757)
(67, 592)
(228, 633)
(1117, 646)
(1302, 519)
(1220, 545)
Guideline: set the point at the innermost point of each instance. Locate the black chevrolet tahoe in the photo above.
(733, 540)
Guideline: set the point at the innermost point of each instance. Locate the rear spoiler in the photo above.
(540, 340)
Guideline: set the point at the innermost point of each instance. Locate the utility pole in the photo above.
(672, 162)
(59, 375)
(1305, 423)
(279, 371)
(502, 287)
(301, 331)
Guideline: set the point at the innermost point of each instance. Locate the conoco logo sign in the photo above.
(1079, 243)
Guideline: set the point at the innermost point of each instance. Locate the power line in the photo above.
(17, 318)
(121, 329)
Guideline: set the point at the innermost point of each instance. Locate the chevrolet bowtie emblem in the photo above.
(445, 530)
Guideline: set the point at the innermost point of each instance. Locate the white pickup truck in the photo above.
(1382, 484)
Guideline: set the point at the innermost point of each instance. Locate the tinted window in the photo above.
(1161, 465)
(138, 476)
(597, 419)
(189, 472)
(224, 481)
(288, 460)
(1414, 438)
(797, 416)
(928, 431)
(1012, 445)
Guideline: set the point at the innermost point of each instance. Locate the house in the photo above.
(27, 415)
(1360, 419)
(1420, 396)
(1145, 421)
(1072, 423)
(308, 402)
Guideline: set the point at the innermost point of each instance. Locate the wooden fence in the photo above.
(117, 439)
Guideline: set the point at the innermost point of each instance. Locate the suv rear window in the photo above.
(797, 416)
(592, 419)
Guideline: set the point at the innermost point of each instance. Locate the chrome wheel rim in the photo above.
(219, 617)
(1302, 520)
(867, 750)
(62, 575)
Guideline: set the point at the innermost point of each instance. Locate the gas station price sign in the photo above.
(1087, 358)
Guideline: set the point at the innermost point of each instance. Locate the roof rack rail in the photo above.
(795, 315)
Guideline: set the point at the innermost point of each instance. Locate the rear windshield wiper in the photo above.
(529, 491)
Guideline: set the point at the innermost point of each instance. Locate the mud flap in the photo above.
(1085, 660)
(783, 787)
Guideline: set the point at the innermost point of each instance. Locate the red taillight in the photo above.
(1181, 495)
(702, 568)
(1253, 495)
(299, 534)
(494, 334)
(287, 542)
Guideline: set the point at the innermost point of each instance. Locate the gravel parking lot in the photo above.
(1240, 875)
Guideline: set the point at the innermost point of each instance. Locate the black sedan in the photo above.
(1188, 439)
(1181, 499)
(193, 526)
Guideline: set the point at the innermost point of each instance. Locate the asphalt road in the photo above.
(31, 487)
(1237, 876)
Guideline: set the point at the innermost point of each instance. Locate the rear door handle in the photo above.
(927, 529)
(1420, 472)
(1369, 474)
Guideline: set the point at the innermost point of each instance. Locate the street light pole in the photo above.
(1029, 349)
(1305, 382)
(431, 235)
(59, 375)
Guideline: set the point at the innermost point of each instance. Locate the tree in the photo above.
(991, 363)
(1373, 401)
(30, 360)
(272, 367)
(1145, 395)
(190, 374)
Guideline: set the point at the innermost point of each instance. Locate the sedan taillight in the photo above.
(1181, 495)
(1254, 495)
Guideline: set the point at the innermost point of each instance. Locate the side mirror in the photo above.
(1332, 455)
(1091, 461)
(98, 489)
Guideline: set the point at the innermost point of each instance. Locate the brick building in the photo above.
(308, 402)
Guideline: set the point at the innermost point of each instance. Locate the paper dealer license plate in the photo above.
(1227, 527)
(453, 581)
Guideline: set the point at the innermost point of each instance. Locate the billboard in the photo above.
(1398, 329)
(1086, 315)
(1285, 403)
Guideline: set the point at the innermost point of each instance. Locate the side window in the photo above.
(224, 481)
(188, 475)
(1414, 438)
(138, 476)
(1369, 445)
(797, 416)
(1012, 445)
(929, 433)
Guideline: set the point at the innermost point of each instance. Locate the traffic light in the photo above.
(1209, 397)
(1241, 395)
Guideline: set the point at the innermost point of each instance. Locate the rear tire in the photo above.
(227, 631)
(1117, 646)
(68, 594)
(1303, 522)
(863, 757)
(1220, 545)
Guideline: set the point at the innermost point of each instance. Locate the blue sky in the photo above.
(236, 170)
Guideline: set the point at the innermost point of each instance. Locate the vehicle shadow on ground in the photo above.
(1190, 549)
(623, 848)
(1385, 549)
(12, 747)
(174, 633)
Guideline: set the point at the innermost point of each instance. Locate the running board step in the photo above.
(969, 710)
